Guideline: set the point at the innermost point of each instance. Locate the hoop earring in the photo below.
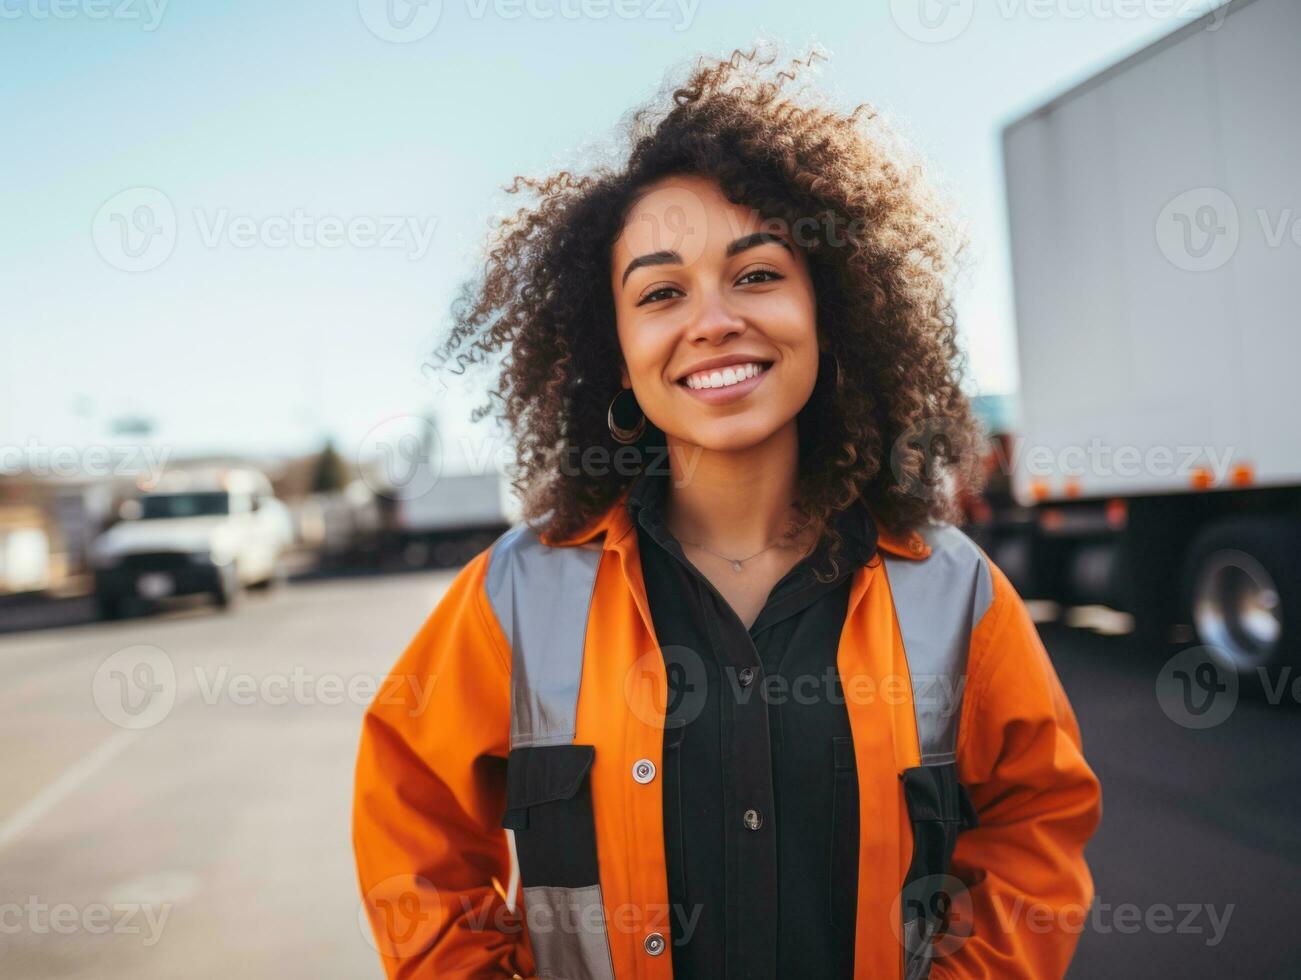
(625, 436)
(836, 361)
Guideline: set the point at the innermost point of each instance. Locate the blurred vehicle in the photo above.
(1156, 291)
(24, 550)
(447, 524)
(341, 527)
(196, 531)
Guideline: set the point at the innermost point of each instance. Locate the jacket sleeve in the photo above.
(1027, 886)
(429, 797)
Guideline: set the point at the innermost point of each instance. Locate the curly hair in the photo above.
(896, 430)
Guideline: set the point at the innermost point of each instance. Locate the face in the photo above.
(698, 280)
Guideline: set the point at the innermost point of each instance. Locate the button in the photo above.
(643, 770)
(746, 676)
(753, 819)
(654, 943)
(915, 546)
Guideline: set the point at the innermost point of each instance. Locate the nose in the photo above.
(715, 322)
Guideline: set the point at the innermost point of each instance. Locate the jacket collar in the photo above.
(615, 524)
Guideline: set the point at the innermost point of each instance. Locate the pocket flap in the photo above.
(541, 774)
(934, 793)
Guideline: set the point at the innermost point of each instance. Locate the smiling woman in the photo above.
(759, 296)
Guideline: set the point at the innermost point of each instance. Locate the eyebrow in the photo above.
(669, 257)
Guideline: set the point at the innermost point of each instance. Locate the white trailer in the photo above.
(1155, 223)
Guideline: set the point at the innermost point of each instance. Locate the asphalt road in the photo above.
(207, 834)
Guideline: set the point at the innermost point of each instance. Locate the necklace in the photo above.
(737, 562)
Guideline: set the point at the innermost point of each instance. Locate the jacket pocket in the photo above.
(549, 807)
(844, 834)
(939, 810)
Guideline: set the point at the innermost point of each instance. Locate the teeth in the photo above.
(730, 375)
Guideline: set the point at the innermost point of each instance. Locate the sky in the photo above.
(246, 221)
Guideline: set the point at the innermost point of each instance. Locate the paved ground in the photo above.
(224, 824)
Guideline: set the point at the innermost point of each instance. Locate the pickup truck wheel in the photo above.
(228, 591)
(1242, 581)
(110, 607)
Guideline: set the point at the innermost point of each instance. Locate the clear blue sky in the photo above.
(260, 109)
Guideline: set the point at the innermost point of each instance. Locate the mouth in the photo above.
(725, 385)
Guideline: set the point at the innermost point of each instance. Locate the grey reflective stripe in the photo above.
(541, 596)
(569, 940)
(938, 601)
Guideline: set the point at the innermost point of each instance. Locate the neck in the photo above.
(735, 502)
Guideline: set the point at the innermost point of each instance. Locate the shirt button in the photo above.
(753, 819)
(654, 944)
(915, 546)
(746, 676)
(643, 770)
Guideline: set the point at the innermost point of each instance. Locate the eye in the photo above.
(651, 296)
(772, 273)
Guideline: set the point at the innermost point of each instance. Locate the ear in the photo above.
(624, 378)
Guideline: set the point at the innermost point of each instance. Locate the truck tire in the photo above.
(1242, 590)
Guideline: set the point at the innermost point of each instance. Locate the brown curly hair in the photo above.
(897, 431)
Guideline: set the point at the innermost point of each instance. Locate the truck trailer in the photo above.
(1155, 221)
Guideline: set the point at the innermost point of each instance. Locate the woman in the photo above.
(736, 691)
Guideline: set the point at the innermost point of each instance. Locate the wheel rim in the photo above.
(1237, 610)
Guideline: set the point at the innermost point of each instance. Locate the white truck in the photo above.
(195, 531)
(448, 522)
(1155, 223)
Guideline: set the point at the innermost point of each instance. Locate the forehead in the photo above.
(686, 215)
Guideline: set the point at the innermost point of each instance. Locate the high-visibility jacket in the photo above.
(508, 819)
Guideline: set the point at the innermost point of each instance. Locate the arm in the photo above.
(429, 797)
(1038, 802)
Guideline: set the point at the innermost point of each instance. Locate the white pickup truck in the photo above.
(213, 532)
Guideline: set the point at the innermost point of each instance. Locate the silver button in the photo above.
(654, 944)
(643, 770)
(753, 819)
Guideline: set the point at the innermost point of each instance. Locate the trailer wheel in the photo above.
(1242, 582)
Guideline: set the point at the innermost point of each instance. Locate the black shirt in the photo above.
(760, 791)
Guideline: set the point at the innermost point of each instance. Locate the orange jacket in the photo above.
(435, 865)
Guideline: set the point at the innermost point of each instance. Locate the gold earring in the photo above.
(625, 436)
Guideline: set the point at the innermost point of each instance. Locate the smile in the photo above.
(726, 384)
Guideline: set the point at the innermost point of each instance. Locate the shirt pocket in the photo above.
(843, 858)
